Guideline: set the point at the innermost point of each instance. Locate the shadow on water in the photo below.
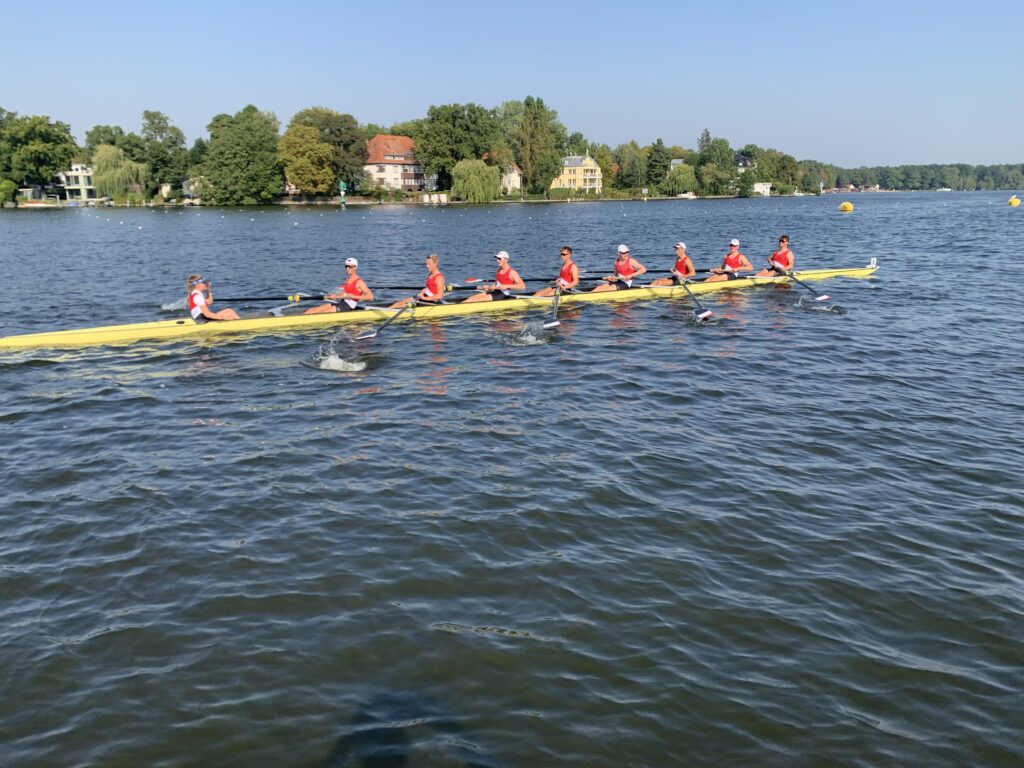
(402, 728)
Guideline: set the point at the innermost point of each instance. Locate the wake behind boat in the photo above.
(185, 328)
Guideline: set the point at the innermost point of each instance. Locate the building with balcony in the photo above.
(78, 182)
(391, 163)
(579, 172)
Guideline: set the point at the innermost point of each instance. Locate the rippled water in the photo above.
(786, 537)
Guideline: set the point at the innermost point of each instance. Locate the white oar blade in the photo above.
(823, 297)
(703, 315)
(552, 324)
(369, 335)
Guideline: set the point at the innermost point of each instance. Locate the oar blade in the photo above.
(367, 335)
(552, 324)
(823, 297)
(702, 314)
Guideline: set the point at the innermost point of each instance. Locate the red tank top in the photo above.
(783, 258)
(192, 303)
(624, 268)
(680, 266)
(352, 287)
(435, 286)
(504, 279)
(734, 260)
(565, 274)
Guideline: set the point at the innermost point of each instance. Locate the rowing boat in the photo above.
(183, 328)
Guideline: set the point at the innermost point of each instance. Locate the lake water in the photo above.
(791, 536)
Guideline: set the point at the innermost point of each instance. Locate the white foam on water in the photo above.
(173, 306)
(332, 362)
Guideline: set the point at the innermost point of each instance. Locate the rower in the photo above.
(346, 297)
(733, 263)
(682, 269)
(506, 280)
(200, 297)
(780, 262)
(433, 291)
(627, 269)
(568, 275)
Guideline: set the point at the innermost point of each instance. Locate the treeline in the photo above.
(248, 159)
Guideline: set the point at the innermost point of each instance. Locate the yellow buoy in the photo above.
(1014, 201)
(846, 207)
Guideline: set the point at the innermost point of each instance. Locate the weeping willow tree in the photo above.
(475, 182)
(114, 175)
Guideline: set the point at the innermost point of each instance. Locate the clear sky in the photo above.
(851, 83)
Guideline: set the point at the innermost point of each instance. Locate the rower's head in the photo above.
(680, 249)
(565, 253)
(194, 280)
(734, 243)
(502, 258)
(623, 251)
(351, 263)
(783, 239)
(432, 261)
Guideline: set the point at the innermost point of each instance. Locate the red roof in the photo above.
(382, 145)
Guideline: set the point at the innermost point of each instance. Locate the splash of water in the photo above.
(333, 362)
(174, 306)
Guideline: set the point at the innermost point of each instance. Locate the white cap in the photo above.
(350, 262)
(734, 241)
(623, 249)
(501, 255)
(681, 245)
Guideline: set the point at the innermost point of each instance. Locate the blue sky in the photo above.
(854, 83)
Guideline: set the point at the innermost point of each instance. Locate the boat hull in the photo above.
(186, 328)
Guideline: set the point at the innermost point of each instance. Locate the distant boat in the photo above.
(943, 189)
(51, 201)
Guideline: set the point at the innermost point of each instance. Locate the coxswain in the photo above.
(433, 291)
(682, 269)
(780, 262)
(345, 297)
(200, 297)
(627, 269)
(733, 263)
(568, 276)
(506, 280)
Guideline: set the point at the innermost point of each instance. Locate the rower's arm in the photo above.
(518, 285)
(638, 268)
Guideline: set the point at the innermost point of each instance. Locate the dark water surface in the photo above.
(791, 537)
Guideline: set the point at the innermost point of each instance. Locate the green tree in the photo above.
(103, 134)
(717, 171)
(602, 153)
(7, 190)
(197, 154)
(307, 160)
(578, 145)
(658, 162)
(536, 145)
(343, 134)
(411, 128)
(475, 182)
(34, 149)
(632, 166)
(679, 180)
(454, 132)
(745, 185)
(115, 174)
(241, 158)
(164, 150)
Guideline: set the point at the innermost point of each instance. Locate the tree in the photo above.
(475, 182)
(704, 141)
(602, 153)
(745, 185)
(164, 150)
(115, 174)
(241, 159)
(34, 149)
(632, 166)
(103, 134)
(716, 165)
(454, 132)
(411, 128)
(535, 145)
(307, 160)
(679, 180)
(578, 145)
(343, 134)
(658, 162)
(7, 190)
(197, 154)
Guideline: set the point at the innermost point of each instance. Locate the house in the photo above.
(392, 164)
(579, 172)
(512, 179)
(743, 162)
(78, 182)
(763, 188)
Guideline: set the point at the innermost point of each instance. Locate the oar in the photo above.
(700, 313)
(817, 297)
(385, 324)
(554, 321)
(295, 298)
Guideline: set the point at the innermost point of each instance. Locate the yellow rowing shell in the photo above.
(187, 328)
